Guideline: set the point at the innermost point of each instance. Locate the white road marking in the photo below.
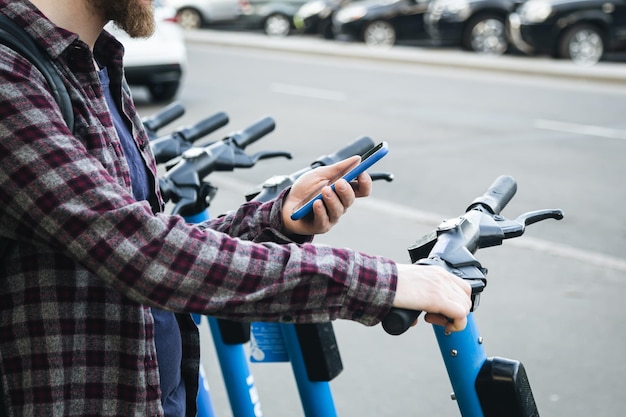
(580, 129)
(302, 91)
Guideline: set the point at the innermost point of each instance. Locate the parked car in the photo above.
(194, 14)
(580, 30)
(274, 17)
(475, 25)
(316, 17)
(382, 22)
(158, 62)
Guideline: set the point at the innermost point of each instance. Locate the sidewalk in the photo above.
(609, 72)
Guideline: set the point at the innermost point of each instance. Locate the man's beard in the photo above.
(135, 17)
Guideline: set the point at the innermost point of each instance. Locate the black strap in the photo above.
(3, 412)
(5, 247)
(14, 36)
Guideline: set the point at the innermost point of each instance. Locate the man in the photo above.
(95, 265)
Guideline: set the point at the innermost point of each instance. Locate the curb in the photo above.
(607, 72)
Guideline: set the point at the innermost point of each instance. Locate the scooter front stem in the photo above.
(463, 355)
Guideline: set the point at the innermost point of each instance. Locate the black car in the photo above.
(316, 17)
(475, 25)
(382, 23)
(274, 17)
(580, 30)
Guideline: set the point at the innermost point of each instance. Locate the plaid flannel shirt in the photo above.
(76, 333)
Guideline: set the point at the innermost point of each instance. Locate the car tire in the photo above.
(379, 33)
(583, 44)
(277, 24)
(326, 29)
(486, 34)
(165, 91)
(189, 18)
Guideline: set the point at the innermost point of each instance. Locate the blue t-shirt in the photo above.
(166, 331)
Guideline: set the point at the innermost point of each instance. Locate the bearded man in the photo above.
(97, 289)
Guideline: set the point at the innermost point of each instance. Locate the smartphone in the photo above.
(367, 160)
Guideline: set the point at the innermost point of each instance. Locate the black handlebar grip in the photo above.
(168, 147)
(249, 135)
(498, 195)
(398, 320)
(357, 147)
(164, 116)
(204, 127)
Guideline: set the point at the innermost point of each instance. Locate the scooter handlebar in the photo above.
(163, 117)
(497, 195)
(254, 132)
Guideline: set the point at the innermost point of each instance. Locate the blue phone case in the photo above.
(367, 160)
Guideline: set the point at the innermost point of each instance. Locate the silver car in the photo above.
(194, 14)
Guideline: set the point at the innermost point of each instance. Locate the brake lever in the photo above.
(270, 154)
(515, 228)
(387, 176)
(240, 159)
(539, 215)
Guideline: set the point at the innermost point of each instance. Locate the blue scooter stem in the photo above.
(464, 356)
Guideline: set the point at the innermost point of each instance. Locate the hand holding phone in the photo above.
(367, 160)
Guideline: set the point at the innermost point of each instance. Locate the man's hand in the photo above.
(326, 212)
(444, 297)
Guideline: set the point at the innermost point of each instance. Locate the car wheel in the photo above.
(277, 25)
(486, 35)
(326, 29)
(583, 44)
(379, 33)
(189, 18)
(165, 91)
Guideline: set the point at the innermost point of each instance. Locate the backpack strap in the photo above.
(16, 38)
